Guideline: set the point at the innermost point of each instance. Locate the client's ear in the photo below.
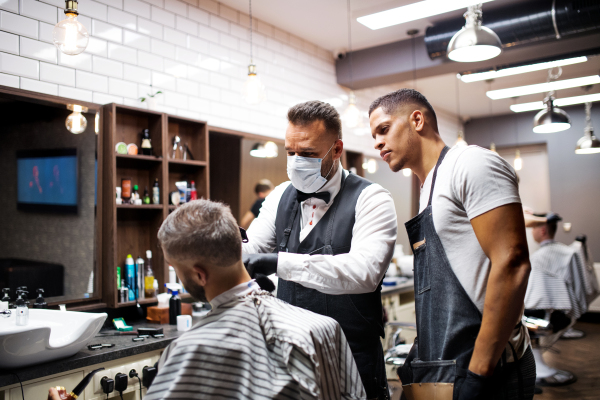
(201, 273)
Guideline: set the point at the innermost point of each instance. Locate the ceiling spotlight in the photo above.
(474, 42)
(69, 35)
(266, 150)
(76, 122)
(588, 144)
(551, 119)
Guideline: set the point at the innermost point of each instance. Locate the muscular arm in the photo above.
(501, 234)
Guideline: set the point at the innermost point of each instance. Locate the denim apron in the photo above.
(359, 315)
(447, 319)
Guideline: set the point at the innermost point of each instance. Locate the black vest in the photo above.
(360, 315)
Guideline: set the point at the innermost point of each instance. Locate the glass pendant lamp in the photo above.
(253, 91)
(76, 122)
(351, 115)
(518, 164)
(69, 35)
(474, 42)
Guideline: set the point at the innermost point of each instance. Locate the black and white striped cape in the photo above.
(555, 282)
(259, 347)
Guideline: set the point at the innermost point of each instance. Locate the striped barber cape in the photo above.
(555, 282)
(254, 346)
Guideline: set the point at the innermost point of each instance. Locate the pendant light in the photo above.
(588, 144)
(253, 90)
(551, 119)
(69, 35)
(370, 165)
(266, 150)
(351, 116)
(76, 122)
(493, 147)
(518, 164)
(474, 42)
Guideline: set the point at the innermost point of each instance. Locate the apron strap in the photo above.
(288, 230)
(442, 155)
(329, 232)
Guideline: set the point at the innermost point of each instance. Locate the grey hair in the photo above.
(202, 230)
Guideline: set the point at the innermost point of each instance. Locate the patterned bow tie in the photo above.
(301, 196)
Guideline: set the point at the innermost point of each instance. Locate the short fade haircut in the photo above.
(390, 102)
(203, 231)
(306, 113)
(552, 228)
(264, 185)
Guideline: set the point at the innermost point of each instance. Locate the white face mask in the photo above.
(305, 172)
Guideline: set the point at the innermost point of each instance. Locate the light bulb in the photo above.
(518, 161)
(460, 141)
(70, 36)
(370, 165)
(351, 115)
(493, 147)
(97, 122)
(76, 122)
(271, 149)
(407, 172)
(254, 90)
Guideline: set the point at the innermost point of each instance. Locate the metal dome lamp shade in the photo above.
(588, 144)
(551, 119)
(474, 42)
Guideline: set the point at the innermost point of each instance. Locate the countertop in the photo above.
(124, 347)
(405, 287)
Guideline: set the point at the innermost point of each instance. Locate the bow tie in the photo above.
(301, 196)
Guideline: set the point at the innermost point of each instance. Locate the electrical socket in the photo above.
(98, 377)
(120, 369)
(144, 363)
(134, 380)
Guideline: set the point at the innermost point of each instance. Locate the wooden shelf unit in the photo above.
(132, 229)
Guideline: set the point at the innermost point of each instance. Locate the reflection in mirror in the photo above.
(47, 202)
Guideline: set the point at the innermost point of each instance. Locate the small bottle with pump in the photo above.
(149, 276)
(22, 310)
(40, 302)
(156, 192)
(174, 307)
(140, 271)
(6, 297)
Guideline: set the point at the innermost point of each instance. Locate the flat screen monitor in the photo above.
(47, 180)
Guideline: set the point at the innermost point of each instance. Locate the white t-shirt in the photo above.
(470, 182)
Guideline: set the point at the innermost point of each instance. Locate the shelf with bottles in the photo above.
(145, 179)
(194, 179)
(187, 140)
(152, 300)
(130, 125)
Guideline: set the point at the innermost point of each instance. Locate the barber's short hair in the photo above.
(264, 185)
(203, 231)
(390, 102)
(306, 113)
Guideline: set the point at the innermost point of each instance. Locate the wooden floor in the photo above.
(581, 357)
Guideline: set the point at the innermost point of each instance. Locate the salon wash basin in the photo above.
(50, 335)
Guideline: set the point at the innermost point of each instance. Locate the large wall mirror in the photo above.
(48, 199)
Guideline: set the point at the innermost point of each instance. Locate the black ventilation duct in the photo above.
(522, 23)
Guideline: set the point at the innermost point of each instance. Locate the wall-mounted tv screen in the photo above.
(47, 180)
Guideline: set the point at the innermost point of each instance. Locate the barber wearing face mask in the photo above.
(329, 235)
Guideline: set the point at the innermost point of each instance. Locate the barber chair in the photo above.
(545, 328)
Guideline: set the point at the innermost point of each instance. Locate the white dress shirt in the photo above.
(372, 246)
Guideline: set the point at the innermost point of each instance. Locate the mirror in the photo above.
(48, 190)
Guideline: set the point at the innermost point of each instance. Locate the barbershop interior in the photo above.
(117, 114)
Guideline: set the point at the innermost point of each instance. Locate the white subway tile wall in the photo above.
(195, 51)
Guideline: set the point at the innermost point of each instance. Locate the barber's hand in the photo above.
(475, 387)
(53, 394)
(265, 264)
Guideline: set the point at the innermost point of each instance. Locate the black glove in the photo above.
(265, 264)
(264, 282)
(475, 387)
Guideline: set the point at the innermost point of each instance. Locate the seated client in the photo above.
(251, 345)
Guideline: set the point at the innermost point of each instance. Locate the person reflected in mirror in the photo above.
(262, 190)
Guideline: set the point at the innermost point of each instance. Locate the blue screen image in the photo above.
(47, 180)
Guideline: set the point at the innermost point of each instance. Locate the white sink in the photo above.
(50, 335)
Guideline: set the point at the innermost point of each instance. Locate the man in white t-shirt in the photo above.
(471, 258)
